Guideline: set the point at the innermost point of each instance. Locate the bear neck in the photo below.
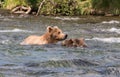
(48, 38)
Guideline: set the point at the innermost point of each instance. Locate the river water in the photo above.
(100, 59)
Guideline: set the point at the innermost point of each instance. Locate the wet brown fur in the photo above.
(52, 35)
(74, 43)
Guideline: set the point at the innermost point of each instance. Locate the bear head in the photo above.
(56, 33)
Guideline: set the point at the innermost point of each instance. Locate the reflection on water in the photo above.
(100, 59)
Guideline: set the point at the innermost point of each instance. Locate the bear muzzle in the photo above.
(65, 37)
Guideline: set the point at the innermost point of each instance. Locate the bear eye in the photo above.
(58, 32)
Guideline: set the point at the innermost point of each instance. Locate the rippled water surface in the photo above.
(100, 59)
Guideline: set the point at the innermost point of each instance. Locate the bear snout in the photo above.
(65, 36)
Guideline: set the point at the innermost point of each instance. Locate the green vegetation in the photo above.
(68, 7)
(108, 6)
(61, 7)
(9, 4)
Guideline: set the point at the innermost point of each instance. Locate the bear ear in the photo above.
(55, 26)
(49, 28)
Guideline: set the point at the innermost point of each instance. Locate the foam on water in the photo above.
(16, 30)
(108, 40)
(5, 41)
(113, 29)
(111, 22)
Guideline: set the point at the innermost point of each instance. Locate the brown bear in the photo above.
(52, 36)
(68, 43)
(74, 43)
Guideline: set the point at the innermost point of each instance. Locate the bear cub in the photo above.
(74, 43)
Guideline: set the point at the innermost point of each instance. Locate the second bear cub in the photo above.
(74, 43)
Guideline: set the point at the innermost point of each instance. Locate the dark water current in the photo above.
(100, 59)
